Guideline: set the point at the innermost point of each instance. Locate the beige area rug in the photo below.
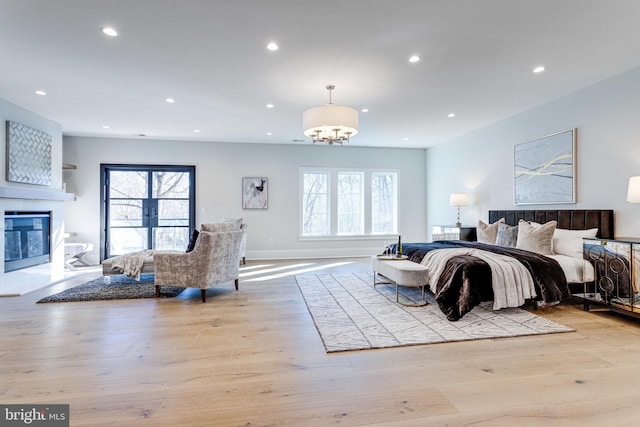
(350, 314)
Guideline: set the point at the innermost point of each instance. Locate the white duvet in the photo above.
(576, 270)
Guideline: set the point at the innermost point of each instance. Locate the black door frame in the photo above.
(106, 168)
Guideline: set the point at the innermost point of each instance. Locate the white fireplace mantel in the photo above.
(34, 194)
(22, 198)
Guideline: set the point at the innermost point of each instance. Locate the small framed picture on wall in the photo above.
(255, 193)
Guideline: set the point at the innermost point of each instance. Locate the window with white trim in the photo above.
(348, 202)
(315, 204)
(384, 203)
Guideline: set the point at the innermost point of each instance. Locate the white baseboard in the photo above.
(313, 253)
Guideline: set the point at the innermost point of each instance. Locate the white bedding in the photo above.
(576, 270)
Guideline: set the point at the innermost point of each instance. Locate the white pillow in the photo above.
(569, 242)
(487, 233)
(536, 239)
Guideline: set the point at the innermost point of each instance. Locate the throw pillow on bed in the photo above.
(536, 239)
(507, 235)
(569, 242)
(487, 233)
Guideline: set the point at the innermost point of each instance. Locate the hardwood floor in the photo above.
(253, 358)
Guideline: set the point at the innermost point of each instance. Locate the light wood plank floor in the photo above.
(254, 358)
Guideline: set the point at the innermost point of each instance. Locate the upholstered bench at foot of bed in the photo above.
(401, 272)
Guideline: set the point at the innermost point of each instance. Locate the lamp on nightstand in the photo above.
(633, 192)
(458, 200)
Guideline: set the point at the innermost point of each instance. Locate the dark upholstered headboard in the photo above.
(568, 219)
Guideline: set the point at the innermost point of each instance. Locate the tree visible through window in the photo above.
(315, 204)
(147, 207)
(384, 203)
(341, 202)
(350, 203)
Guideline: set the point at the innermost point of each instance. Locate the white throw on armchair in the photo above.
(214, 260)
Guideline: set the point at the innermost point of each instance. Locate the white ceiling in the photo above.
(211, 56)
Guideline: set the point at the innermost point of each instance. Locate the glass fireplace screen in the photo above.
(26, 239)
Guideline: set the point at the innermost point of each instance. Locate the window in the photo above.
(348, 202)
(146, 207)
(315, 204)
(384, 203)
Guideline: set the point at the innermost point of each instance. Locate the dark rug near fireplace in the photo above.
(120, 287)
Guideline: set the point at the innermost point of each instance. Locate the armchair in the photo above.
(214, 260)
(225, 224)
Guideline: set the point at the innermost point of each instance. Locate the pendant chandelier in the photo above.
(330, 124)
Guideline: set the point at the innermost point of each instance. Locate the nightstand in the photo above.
(617, 266)
(451, 232)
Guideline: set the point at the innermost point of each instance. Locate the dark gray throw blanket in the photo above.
(466, 280)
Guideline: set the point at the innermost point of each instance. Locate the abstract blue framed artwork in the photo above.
(545, 169)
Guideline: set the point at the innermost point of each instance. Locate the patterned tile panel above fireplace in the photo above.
(28, 155)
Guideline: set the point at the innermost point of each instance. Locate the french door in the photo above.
(146, 207)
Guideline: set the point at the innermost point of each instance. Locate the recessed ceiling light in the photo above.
(269, 105)
(269, 134)
(365, 110)
(451, 115)
(406, 139)
(538, 69)
(40, 92)
(170, 100)
(196, 130)
(105, 126)
(414, 58)
(272, 46)
(110, 31)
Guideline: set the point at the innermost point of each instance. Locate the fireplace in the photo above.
(27, 239)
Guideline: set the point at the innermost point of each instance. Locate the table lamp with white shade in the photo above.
(633, 191)
(458, 200)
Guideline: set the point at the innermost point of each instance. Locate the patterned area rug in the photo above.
(119, 287)
(350, 314)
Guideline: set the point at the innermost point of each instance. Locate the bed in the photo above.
(463, 274)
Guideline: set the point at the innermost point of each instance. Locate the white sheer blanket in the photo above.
(131, 263)
(511, 281)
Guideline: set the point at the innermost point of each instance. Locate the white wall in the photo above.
(272, 233)
(606, 116)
